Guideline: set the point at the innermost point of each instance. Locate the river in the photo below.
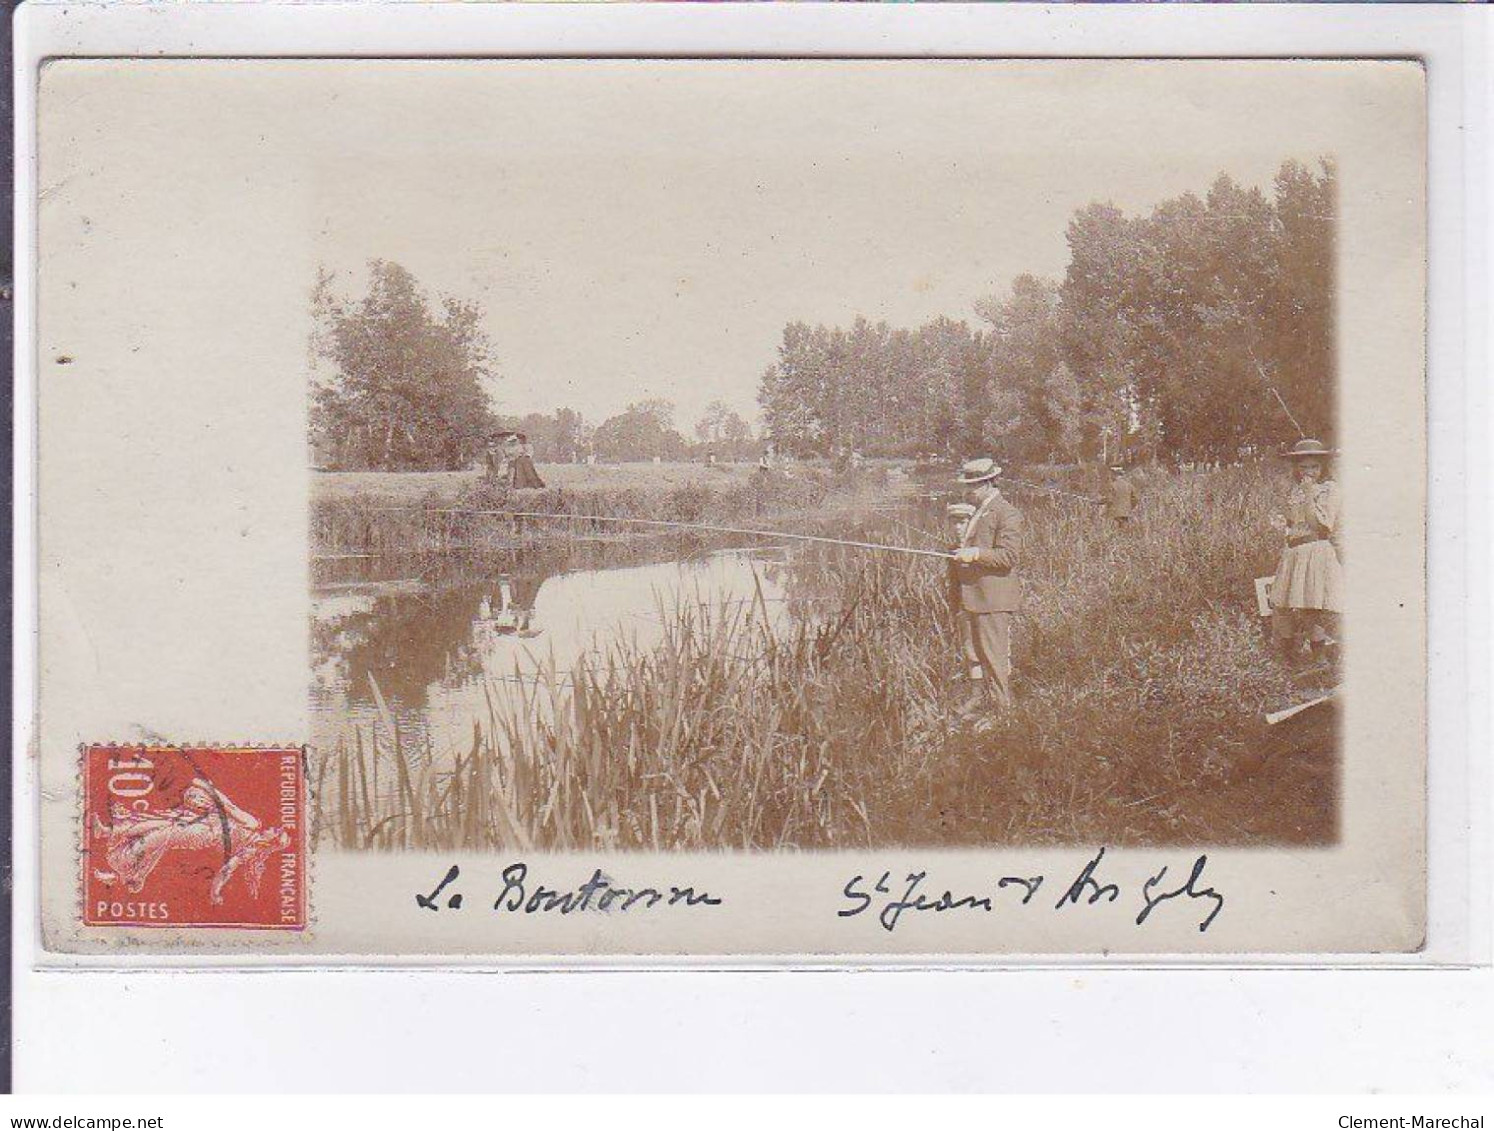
(438, 641)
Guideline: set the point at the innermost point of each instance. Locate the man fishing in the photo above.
(1120, 500)
(989, 594)
(959, 515)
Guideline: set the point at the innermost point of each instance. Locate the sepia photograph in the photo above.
(700, 506)
(836, 549)
(684, 483)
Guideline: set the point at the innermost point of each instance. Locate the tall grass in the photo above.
(1142, 674)
(477, 518)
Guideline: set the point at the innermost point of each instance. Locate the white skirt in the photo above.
(1309, 577)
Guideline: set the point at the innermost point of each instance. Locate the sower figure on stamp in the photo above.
(989, 593)
(1307, 592)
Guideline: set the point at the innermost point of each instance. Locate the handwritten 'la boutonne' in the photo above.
(601, 893)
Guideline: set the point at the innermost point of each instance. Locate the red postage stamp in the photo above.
(194, 837)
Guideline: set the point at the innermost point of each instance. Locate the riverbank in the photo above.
(1143, 674)
(443, 512)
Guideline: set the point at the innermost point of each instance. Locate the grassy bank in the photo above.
(1142, 674)
(437, 512)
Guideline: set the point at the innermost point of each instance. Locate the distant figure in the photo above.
(497, 463)
(522, 473)
(513, 610)
(769, 458)
(1307, 592)
(959, 515)
(1120, 501)
(989, 594)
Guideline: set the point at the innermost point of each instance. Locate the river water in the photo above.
(438, 641)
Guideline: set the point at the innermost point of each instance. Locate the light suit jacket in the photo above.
(987, 585)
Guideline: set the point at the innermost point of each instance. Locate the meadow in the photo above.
(1142, 675)
(372, 512)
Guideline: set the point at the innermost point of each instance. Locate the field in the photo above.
(371, 512)
(1142, 678)
(448, 486)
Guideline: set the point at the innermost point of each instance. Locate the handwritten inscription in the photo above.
(1089, 887)
(514, 890)
(519, 893)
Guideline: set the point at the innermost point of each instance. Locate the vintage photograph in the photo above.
(731, 506)
(693, 483)
(616, 547)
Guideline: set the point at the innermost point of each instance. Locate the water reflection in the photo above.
(436, 639)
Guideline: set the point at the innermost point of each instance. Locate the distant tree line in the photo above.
(1171, 334)
(405, 387)
(1187, 333)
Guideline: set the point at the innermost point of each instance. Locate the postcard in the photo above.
(591, 510)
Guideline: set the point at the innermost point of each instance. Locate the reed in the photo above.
(1142, 675)
(440, 521)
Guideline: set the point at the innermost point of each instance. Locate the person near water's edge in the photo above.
(959, 515)
(1307, 591)
(989, 592)
(1120, 501)
(522, 473)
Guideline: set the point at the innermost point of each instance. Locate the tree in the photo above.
(1179, 324)
(1166, 336)
(557, 438)
(793, 392)
(709, 428)
(572, 436)
(723, 430)
(1298, 309)
(407, 388)
(1027, 362)
(640, 432)
(1096, 333)
(737, 434)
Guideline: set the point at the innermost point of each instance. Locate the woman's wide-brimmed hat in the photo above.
(978, 471)
(1309, 449)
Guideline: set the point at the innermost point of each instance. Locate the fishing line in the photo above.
(660, 522)
(1051, 490)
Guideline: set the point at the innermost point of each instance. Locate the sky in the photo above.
(646, 229)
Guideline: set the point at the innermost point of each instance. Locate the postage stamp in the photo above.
(194, 837)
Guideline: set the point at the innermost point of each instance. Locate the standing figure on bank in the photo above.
(989, 593)
(959, 515)
(496, 461)
(1307, 592)
(523, 475)
(1120, 499)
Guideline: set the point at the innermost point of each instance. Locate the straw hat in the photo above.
(1309, 449)
(978, 471)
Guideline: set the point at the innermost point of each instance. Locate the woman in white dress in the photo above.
(1307, 592)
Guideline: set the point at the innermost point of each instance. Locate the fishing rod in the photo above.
(1266, 380)
(713, 528)
(1051, 490)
